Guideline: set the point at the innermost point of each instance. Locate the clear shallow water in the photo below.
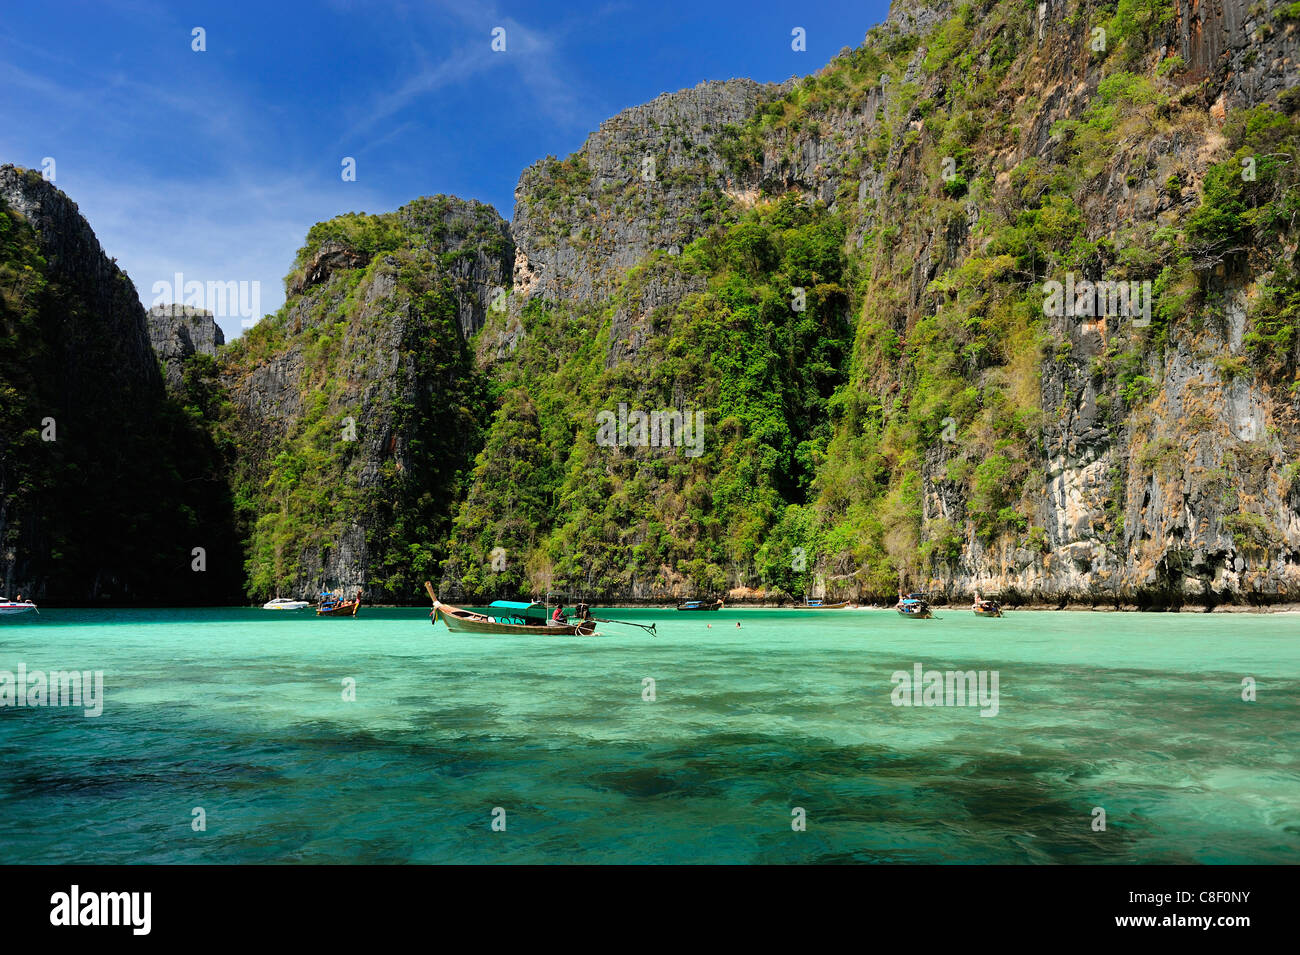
(240, 711)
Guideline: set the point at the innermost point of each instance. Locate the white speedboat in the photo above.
(10, 607)
(285, 603)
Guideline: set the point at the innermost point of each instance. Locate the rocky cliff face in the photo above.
(178, 331)
(113, 344)
(96, 496)
(974, 153)
(846, 280)
(356, 409)
(1178, 491)
(650, 179)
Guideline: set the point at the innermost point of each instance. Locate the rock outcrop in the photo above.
(1143, 468)
(111, 343)
(357, 407)
(178, 331)
(649, 179)
(845, 275)
(106, 490)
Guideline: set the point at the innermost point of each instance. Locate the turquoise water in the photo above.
(241, 712)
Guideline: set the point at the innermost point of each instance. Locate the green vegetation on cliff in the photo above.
(107, 486)
(844, 279)
(757, 350)
(352, 414)
(902, 427)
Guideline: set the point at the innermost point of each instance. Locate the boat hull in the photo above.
(837, 606)
(701, 608)
(982, 612)
(348, 609)
(458, 620)
(913, 607)
(13, 609)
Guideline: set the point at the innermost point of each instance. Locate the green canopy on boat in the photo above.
(515, 605)
(514, 611)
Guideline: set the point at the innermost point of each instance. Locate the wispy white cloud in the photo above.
(180, 165)
(457, 68)
(535, 54)
(227, 207)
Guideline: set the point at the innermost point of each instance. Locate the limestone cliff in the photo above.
(354, 411)
(106, 487)
(973, 153)
(846, 279)
(649, 179)
(178, 331)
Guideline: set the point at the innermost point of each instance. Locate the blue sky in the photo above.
(214, 164)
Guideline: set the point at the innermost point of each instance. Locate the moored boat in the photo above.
(913, 605)
(986, 608)
(9, 608)
(700, 605)
(333, 605)
(510, 616)
(822, 605)
(285, 603)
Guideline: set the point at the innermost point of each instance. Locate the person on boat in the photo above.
(558, 616)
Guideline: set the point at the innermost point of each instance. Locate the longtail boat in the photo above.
(822, 605)
(509, 616)
(913, 605)
(333, 605)
(700, 605)
(986, 608)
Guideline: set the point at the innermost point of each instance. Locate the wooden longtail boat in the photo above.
(822, 605)
(332, 605)
(700, 605)
(913, 606)
(986, 608)
(507, 616)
